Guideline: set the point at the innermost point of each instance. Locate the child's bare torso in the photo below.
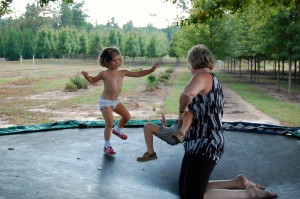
(113, 81)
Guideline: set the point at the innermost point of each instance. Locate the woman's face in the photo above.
(116, 62)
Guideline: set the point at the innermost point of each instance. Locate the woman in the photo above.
(204, 141)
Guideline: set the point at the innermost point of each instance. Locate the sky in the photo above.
(141, 12)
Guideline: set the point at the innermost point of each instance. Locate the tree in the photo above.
(64, 42)
(12, 46)
(28, 44)
(203, 10)
(131, 46)
(82, 43)
(5, 5)
(2, 45)
(94, 44)
(42, 43)
(128, 27)
(79, 17)
(66, 15)
(113, 38)
(31, 18)
(152, 47)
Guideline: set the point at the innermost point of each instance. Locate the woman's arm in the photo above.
(195, 86)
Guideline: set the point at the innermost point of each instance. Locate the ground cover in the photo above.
(34, 94)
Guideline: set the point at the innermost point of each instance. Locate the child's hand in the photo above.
(163, 120)
(155, 66)
(84, 73)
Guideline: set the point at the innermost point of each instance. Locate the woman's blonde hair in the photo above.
(107, 55)
(199, 56)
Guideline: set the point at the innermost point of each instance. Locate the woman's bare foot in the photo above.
(244, 182)
(256, 193)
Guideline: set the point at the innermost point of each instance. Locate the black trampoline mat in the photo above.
(69, 164)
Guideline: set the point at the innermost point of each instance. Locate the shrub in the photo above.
(71, 87)
(79, 82)
(152, 82)
(170, 70)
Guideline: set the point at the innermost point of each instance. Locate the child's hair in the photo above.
(199, 56)
(107, 55)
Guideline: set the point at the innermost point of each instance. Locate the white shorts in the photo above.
(103, 103)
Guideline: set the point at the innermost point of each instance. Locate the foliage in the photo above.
(152, 82)
(201, 11)
(76, 83)
(80, 82)
(12, 46)
(71, 87)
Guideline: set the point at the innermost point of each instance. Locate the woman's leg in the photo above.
(239, 182)
(194, 176)
(251, 192)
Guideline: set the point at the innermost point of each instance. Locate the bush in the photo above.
(76, 83)
(152, 82)
(164, 76)
(79, 82)
(71, 87)
(170, 70)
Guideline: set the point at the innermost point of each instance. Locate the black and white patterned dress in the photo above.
(205, 136)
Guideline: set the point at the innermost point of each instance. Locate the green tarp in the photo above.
(230, 126)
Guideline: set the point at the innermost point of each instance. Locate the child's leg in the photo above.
(108, 117)
(122, 111)
(125, 117)
(186, 123)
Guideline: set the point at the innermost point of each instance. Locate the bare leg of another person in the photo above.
(149, 130)
(186, 123)
(251, 192)
(240, 187)
(239, 182)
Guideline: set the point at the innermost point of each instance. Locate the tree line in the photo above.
(55, 32)
(256, 31)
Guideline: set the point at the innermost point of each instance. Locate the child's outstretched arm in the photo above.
(90, 78)
(142, 72)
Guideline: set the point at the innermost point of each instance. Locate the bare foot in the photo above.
(258, 193)
(244, 182)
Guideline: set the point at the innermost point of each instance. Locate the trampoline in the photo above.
(65, 160)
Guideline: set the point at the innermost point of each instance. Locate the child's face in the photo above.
(116, 62)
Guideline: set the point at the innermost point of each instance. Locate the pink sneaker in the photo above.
(120, 135)
(109, 151)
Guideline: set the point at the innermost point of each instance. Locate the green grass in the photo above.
(171, 103)
(287, 113)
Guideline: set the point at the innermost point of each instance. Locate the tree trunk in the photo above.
(275, 70)
(290, 75)
(251, 69)
(240, 67)
(278, 76)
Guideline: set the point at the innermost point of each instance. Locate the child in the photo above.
(112, 77)
(172, 135)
